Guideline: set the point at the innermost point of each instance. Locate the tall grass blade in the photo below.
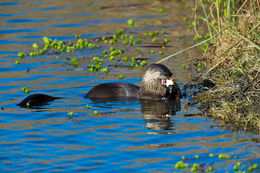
(206, 17)
(247, 40)
(228, 11)
(183, 50)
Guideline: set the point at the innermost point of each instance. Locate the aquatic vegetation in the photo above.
(209, 167)
(35, 46)
(130, 22)
(181, 165)
(121, 76)
(223, 156)
(105, 70)
(161, 10)
(70, 114)
(74, 62)
(26, 90)
(21, 55)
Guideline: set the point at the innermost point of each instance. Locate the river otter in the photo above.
(157, 84)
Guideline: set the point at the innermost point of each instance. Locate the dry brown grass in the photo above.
(233, 64)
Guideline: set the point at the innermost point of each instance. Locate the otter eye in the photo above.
(167, 74)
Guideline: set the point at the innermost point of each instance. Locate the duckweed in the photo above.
(95, 112)
(74, 62)
(26, 90)
(165, 40)
(143, 63)
(125, 59)
(112, 42)
(105, 70)
(255, 166)
(210, 169)
(35, 46)
(161, 10)
(70, 114)
(154, 40)
(199, 66)
(181, 165)
(121, 76)
(223, 156)
(194, 167)
(21, 55)
(17, 62)
(130, 22)
(33, 54)
(27, 104)
(57, 46)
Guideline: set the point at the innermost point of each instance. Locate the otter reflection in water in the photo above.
(157, 84)
(158, 114)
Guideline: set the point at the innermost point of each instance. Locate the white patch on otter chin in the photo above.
(169, 82)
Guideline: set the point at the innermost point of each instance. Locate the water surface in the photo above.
(125, 135)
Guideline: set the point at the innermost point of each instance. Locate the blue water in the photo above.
(125, 135)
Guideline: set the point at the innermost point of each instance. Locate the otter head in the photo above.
(154, 83)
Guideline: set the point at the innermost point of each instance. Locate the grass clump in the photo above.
(232, 62)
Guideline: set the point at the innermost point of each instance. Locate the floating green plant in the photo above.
(70, 114)
(105, 70)
(21, 55)
(199, 66)
(194, 168)
(160, 52)
(161, 10)
(130, 22)
(17, 62)
(181, 165)
(74, 62)
(121, 76)
(35, 46)
(223, 156)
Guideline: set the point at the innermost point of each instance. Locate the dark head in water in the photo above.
(157, 84)
(36, 100)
